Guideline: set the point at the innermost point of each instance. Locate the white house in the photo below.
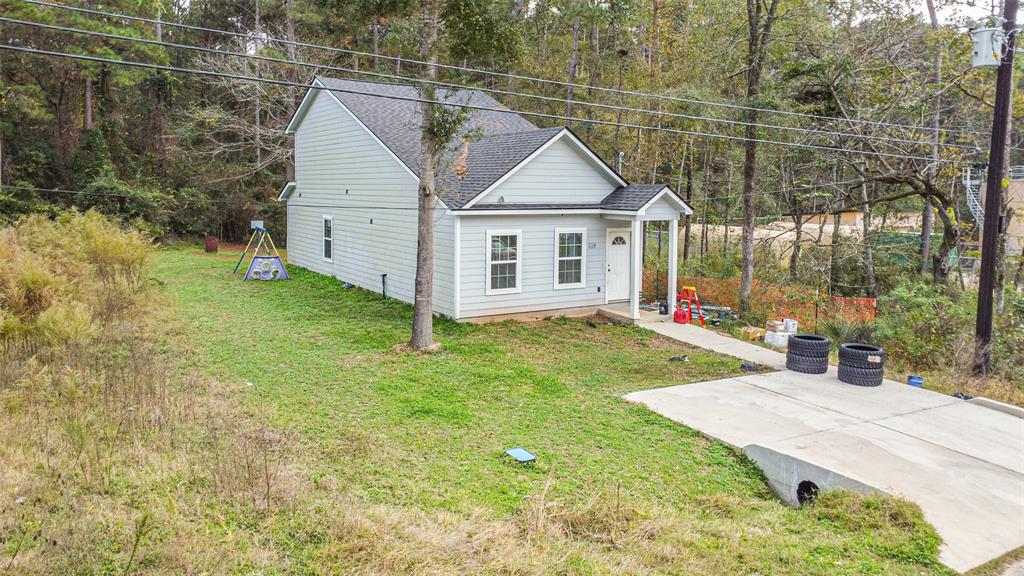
(529, 219)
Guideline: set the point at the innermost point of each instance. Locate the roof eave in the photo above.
(286, 192)
(300, 113)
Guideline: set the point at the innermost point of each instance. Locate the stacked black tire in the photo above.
(861, 364)
(808, 353)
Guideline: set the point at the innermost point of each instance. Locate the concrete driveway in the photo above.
(961, 461)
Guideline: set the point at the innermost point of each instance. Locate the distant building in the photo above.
(1014, 200)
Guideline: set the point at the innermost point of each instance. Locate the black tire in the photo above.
(860, 376)
(861, 355)
(810, 345)
(807, 357)
(806, 365)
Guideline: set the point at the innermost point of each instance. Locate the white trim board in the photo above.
(307, 100)
(286, 192)
(457, 271)
(542, 212)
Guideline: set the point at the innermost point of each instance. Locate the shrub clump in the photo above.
(61, 274)
(923, 326)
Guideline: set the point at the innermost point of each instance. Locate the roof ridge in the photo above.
(521, 132)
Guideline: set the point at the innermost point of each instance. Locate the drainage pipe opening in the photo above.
(806, 492)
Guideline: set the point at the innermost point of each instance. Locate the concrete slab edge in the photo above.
(1010, 409)
(785, 473)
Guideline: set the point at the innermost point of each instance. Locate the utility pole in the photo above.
(994, 192)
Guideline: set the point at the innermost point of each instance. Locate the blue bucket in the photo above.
(915, 381)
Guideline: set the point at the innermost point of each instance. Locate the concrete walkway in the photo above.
(962, 462)
(711, 340)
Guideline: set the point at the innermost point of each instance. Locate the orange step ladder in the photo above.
(685, 298)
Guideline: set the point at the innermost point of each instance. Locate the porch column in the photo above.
(636, 268)
(673, 263)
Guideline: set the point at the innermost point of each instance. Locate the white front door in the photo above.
(617, 255)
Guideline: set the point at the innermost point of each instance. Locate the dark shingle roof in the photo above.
(632, 197)
(500, 140)
(628, 198)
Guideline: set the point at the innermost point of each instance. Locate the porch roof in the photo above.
(631, 198)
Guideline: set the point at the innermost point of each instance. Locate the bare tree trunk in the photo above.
(798, 238)
(928, 213)
(1002, 270)
(1018, 278)
(259, 108)
(728, 214)
(293, 77)
(1, 132)
(654, 39)
(869, 259)
(689, 201)
(423, 318)
(704, 212)
(834, 251)
(376, 44)
(87, 121)
(950, 239)
(759, 29)
(517, 8)
(160, 108)
(573, 61)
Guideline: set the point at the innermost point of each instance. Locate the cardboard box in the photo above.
(752, 333)
(789, 325)
(775, 326)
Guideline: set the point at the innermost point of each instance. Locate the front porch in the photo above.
(625, 272)
(618, 312)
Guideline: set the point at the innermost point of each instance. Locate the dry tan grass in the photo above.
(119, 459)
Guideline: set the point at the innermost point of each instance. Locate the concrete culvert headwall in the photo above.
(798, 482)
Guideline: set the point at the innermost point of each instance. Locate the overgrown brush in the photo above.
(62, 276)
(925, 327)
(116, 460)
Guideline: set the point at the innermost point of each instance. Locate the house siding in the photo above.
(662, 209)
(343, 172)
(537, 258)
(560, 173)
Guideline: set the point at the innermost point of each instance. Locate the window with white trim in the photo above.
(570, 257)
(503, 268)
(328, 248)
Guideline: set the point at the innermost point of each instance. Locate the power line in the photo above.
(468, 106)
(259, 203)
(617, 108)
(506, 75)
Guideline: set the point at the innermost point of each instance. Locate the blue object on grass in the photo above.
(521, 456)
(916, 381)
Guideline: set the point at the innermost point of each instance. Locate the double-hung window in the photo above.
(328, 249)
(570, 257)
(504, 272)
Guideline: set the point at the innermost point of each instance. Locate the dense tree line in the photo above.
(865, 86)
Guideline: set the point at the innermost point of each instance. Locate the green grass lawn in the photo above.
(428, 432)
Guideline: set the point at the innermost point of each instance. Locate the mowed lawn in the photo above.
(429, 431)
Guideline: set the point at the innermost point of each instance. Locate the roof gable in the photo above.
(570, 155)
(493, 145)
